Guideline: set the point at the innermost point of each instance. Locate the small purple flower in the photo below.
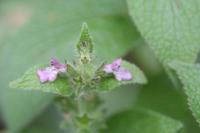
(49, 74)
(60, 67)
(122, 74)
(115, 68)
(110, 68)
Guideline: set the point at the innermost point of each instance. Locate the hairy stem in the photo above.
(82, 114)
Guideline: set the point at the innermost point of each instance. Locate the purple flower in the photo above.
(115, 68)
(110, 68)
(60, 67)
(49, 74)
(122, 74)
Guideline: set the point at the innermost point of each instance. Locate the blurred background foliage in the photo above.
(34, 31)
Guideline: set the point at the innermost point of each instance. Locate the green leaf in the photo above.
(190, 77)
(170, 27)
(30, 81)
(50, 30)
(142, 121)
(17, 107)
(161, 96)
(19, 111)
(111, 83)
(47, 122)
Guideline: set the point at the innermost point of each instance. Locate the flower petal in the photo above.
(51, 73)
(42, 75)
(122, 74)
(108, 68)
(60, 67)
(116, 64)
(47, 74)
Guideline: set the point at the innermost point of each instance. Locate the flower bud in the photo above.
(85, 46)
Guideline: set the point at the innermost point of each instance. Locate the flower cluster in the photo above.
(84, 67)
(49, 74)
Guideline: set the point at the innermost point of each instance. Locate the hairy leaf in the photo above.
(168, 101)
(190, 77)
(140, 121)
(170, 27)
(30, 81)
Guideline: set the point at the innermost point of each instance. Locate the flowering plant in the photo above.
(78, 84)
(95, 83)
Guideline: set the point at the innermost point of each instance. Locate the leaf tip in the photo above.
(13, 84)
(84, 26)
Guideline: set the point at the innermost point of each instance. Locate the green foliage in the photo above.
(111, 83)
(171, 30)
(140, 121)
(17, 107)
(30, 81)
(171, 27)
(50, 30)
(190, 77)
(62, 86)
(47, 122)
(168, 101)
(19, 111)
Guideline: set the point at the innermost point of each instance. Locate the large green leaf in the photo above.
(48, 122)
(142, 121)
(161, 96)
(170, 27)
(17, 107)
(18, 111)
(50, 30)
(190, 77)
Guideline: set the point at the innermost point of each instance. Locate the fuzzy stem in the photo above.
(83, 113)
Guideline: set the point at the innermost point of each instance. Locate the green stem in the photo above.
(83, 111)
